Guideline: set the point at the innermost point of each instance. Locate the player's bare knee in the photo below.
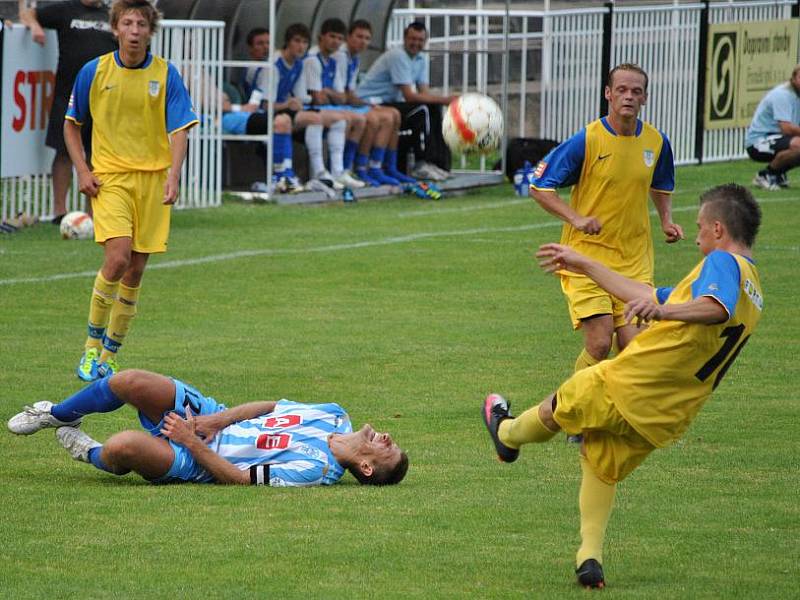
(121, 449)
(282, 124)
(129, 383)
(598, 347)
(116, 265)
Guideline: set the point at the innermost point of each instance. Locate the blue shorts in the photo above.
(184, 467)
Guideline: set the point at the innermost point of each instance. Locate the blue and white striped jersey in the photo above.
(293, 440)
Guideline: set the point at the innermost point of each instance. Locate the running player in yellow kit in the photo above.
(647, 396)
(613, 164)
(141, 114)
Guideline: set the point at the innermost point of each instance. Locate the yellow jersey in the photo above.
(665, 375)
(132, 110)
(611, 177)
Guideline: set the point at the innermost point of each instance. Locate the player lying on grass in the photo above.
(190, 437)
(646, 397)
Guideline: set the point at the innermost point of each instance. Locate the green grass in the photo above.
(441, 304)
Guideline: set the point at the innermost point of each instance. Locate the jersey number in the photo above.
(732, 336)
(273, 441)
(283, 421)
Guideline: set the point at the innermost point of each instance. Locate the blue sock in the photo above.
(94, 398)
(350, 150)
(376, 157)
(390, 160)
(94, 458)
(390, 167)
(279, 147)
(287, 146)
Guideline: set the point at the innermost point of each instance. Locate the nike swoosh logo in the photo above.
(109, 87)
(602, 156)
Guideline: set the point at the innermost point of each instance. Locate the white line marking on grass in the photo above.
(403, 239)
(463, 209)
(412, 237)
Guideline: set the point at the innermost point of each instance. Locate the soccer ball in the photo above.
(473, 123)
(77, 225)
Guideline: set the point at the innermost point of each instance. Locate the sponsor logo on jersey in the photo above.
(540, 168)
(283, 421)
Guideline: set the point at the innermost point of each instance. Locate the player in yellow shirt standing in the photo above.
(647, 396)
(612, 164)
(141, 113)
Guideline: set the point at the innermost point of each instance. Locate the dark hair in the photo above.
(628, 67)
(333, 25)
(254, 33)
(736, 208)
(296, 30)
(416, 26)
(383, 477)
(359, 24)
(145, 7)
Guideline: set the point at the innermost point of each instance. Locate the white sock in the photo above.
(314, 146)
(336, 135)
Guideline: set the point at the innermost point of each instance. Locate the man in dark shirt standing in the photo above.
(83, 34)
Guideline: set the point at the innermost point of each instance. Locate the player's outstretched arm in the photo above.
(207, 426)
(556, 257)
(182, 431)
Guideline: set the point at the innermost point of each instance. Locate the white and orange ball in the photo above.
(473, 123)
(77, 225)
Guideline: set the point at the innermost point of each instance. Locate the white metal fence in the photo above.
(556, 80)
(665, 41)
(196, 49)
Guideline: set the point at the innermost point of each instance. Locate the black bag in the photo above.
(521, 149)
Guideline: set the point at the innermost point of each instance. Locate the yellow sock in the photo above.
(120, 322)
(525, 429)
(103, 295)
(596, 503)
(585, 360)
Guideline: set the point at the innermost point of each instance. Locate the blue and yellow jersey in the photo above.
(611, 177)
(133, 110)
(665, 375)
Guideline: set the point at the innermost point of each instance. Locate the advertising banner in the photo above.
(28, 80)
(745, 61)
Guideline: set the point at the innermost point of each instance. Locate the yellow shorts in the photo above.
(612, 447)
(132, 205)
(585, 299)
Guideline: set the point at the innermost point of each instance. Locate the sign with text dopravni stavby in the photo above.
(745, 61)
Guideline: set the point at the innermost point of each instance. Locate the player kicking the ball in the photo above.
(646, 397)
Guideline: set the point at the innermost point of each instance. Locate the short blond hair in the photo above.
(144, 7)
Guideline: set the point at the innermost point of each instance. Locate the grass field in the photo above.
(407, 313)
